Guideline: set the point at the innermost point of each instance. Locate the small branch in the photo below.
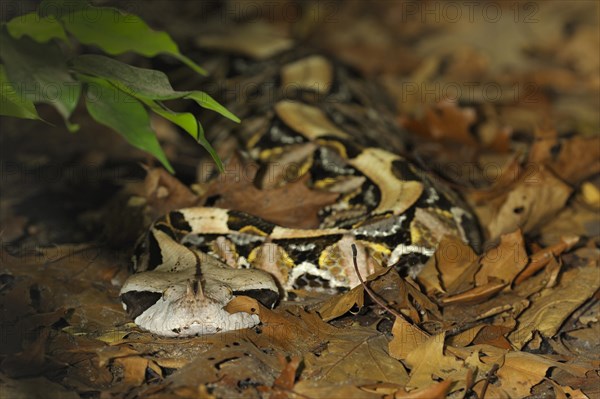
(368, 290)
(488, 377)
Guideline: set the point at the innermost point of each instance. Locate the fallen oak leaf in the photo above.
(550, 309)
(532, 200)
(406, 337)
(300, 334)
(572, 159)
(445, 121)
(428, 360)
(521, 371)
(293, 205)
(344, 358)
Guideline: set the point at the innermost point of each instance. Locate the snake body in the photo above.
(193, 261)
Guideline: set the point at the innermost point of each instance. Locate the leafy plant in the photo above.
(37, 67)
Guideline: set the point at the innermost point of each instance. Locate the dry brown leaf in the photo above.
(554, 305)
(585, 342)
(503, 262)
(578, 157)
(491, 391)
(465, 337)
(407, 337)
(457, 264)
(429, 278)
(494, 336)
(257, 39)
(107, 353)
(475, 295)
(340, 304)
(587, 382)
(574, 393)
(404, 295)
(321, 390)
(428, 362)
(522, 370)
(479, 369)
(542, 257)
(29, 362)
(293, 205)
(344, 359)
(287, 377)
(536, 197)
(134, 370)
(507, 173)
(445, 121)
(164, 192)
(435, 391)
(172, 363)
(229, 358)
(27, 388)
(284, 329)
(574, 220)
(311, 73)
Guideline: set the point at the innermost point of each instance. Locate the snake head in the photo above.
(187, 293)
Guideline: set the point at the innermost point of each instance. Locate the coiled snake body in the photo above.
(193, 261)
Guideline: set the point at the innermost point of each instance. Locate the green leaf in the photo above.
(188, 122)
(142, 82)
(11, 104)
(139, 82)
(116, 33)
(38, 73)
(40, 29)
(123, 113)
(206, 101)
(150, 86)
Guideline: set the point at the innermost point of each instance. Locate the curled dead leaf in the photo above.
(475, 295)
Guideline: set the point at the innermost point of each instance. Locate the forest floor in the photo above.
(500, 98)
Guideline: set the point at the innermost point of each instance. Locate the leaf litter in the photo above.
(518, 320)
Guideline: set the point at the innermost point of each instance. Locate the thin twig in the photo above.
(488, 377)
(368, 290)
